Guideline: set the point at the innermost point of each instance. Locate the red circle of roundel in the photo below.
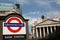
(9, 28)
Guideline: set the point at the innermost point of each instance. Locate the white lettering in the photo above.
(8, 36)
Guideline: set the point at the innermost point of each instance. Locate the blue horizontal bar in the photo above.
(14, 24)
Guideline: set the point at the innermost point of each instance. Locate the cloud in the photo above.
(42, 2)
(31, 19)
(53, 14)
(32, 13)
(58, 1)
(31, 16)
(22, 2)
(35, 12)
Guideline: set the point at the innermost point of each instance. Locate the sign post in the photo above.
(14, 28)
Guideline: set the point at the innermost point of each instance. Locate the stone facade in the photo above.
(45, 27)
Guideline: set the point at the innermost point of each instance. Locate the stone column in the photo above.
(55, 28)
(44, 31)
(33, 32)
(40, 33)
(51, 29)
(47, 31)
(36, 33)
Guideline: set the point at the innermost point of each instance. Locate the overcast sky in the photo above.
(33, 9)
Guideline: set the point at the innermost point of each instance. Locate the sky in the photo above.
(34, 9)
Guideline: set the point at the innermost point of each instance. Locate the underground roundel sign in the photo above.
(13, 25)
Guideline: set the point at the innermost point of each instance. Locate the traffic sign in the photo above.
(14, 25)
(12, 19)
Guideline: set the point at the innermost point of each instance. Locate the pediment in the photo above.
(49, 21)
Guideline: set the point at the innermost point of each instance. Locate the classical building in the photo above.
(41, 28)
